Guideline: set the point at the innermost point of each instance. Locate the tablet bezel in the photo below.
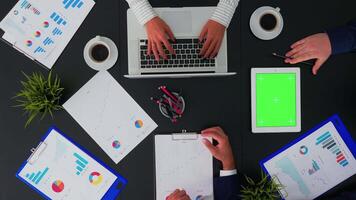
(256, 129)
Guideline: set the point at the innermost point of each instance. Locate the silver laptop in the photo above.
(186, 24)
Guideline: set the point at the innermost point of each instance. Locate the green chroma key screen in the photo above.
(276, 100)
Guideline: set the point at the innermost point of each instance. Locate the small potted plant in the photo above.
(264, 189)
(40, 95)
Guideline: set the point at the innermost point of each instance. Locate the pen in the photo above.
(164, 90)
(285, 57)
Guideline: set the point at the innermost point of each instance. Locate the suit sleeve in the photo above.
(343, 39)
(227, 188)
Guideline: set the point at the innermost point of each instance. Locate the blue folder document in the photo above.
(60, 169)
(315, 162)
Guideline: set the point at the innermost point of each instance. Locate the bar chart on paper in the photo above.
(72, 4)
(56, 31)
(81, 163)
(39, 50)
(327, 142)
(48, 41)
(58, 19)
(37, 177)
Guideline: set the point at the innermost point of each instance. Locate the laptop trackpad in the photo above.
(179, 21)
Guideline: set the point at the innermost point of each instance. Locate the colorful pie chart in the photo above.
(95, 178)
(37, 34)
(58, 186)
(138, 123)
(45, 24)
(116, 144)
(28, 43)
(303, 150)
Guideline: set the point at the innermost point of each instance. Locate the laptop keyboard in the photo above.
(187, 55)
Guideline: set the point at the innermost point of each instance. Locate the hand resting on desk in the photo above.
(316, 46)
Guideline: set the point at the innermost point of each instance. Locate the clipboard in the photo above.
(183, 162)
(315, 162)
(59, 168)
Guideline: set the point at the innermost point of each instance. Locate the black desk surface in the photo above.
(210, 101)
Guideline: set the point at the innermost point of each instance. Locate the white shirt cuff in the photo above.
(227, 172)
(143, 11)
(225, 11)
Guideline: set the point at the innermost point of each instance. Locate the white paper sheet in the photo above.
(183, 164)
(41, 29)
(313, 165)
(110, 115)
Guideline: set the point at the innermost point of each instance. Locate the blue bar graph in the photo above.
(57, 31)
(38, 177)
(315, 166)
(58, 19)
(48, 41)
(323, 137)
(81, 163)
(329, 143)
(25, 5)
(72, 4)
(39, 50)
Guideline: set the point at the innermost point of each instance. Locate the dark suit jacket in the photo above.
(227, 188)
(343, 39)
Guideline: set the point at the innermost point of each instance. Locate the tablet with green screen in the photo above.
(275, 100)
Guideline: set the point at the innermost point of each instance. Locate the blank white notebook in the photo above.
(183, 162)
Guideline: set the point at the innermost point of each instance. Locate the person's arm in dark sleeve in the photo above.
(226, 187)
(343, 39)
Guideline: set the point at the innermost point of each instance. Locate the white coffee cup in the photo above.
(101, 61)
(268, 32)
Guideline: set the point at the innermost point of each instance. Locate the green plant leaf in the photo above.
(39, 95)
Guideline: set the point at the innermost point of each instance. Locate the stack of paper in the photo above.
(41, 29)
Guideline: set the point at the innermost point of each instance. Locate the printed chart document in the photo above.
(59, 169)
(183, 162)
(314, 163)
(41, 29)
(110, 115)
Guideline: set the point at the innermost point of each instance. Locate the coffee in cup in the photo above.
(268, 21)
(99, 52)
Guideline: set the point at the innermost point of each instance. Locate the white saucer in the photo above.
(256, 28)
(109, 62)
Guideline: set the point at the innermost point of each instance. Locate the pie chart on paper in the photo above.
(139, 123)
(58, 186)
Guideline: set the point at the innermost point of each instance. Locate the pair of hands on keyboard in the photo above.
(159, 34)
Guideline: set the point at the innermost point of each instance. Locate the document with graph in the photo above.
(183, 162)
(41, 29)
(110, 115)
(60, 169)
(315, 162)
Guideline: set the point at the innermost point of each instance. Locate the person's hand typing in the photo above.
(316, 46)
(222, 151)
(178, 195)
(212, 35)
(158, 33)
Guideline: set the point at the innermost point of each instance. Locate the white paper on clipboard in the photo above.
(183, 162)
